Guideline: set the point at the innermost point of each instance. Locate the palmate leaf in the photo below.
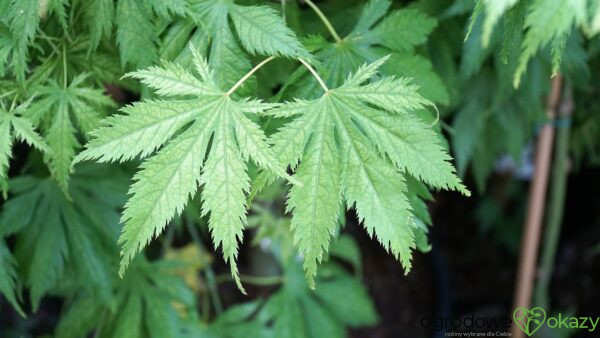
(60, 236)
(340, 302)
(150, 301)
(202, 112)
(357, 142)
(53, 113)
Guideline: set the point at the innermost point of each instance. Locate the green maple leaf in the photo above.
(61, 236)
(340, 302)
(198, 119)
(54, 112)
(148, 301)
(72, 55)
(356, 143)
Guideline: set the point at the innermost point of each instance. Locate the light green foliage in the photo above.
(493, 122)
(388, 33)
(168, 179)
(595, 18)
(167, 8)
(137, 32)
(344, 140)
(19, 22)
(53, 112)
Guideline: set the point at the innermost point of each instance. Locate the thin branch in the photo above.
(252, 71)
(325, 20)
(314, 73)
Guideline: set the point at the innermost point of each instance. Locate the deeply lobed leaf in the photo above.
(335, 139)
(169, 178)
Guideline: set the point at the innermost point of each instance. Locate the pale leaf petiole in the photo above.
(315, 74)
(245, 77)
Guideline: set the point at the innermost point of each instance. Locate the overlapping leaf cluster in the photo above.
(355, 133)
(364, 120)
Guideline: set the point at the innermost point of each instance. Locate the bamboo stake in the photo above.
(556, 202)
(535, 208)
